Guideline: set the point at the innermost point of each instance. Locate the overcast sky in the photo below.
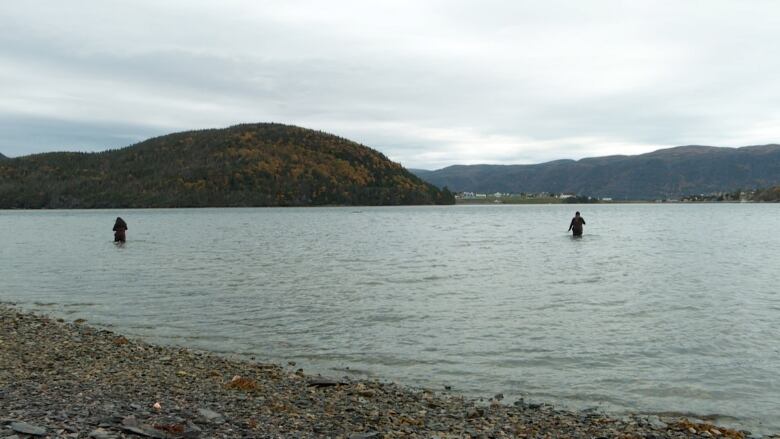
(428, 83)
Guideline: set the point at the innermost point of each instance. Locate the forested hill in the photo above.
(665, 173)
(244, 165)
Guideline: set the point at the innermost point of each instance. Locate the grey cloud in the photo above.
(429, 84)
(32, 135)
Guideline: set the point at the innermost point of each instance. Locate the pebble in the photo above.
(101, 434)
(23, 427)
(474, 412)
(324, 382)
(656, 422)
(210, 415)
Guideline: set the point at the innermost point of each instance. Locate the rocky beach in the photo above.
(63, 379)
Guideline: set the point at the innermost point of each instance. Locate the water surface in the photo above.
(659, 308)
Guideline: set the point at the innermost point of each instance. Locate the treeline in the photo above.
(581, 199)
(244, 165)
(771, 194)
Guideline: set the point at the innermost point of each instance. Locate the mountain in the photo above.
(664, 173)
(244, 165)
(2, 157)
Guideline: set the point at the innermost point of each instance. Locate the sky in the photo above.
(428, 83)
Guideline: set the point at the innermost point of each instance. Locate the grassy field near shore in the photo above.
(73, 380)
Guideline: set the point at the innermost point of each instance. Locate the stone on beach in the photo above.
(25, 428)
(210, 415)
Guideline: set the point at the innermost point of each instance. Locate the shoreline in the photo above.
(72, 380)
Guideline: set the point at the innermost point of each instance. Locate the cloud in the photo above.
(427, 83)
(33, 135)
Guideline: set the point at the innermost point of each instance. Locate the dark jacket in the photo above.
(120, 224)
(576, 223)
(119, 230)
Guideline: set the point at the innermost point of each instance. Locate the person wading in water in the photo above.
(120, 226)
(576, 224)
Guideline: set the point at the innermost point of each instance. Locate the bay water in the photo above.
(659, 308)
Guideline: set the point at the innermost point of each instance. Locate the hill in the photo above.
(244, 165)
(665, 173)
(2, 157)
(771, 194)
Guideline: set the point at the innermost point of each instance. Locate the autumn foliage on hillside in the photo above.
(771, 194)
(244, 165)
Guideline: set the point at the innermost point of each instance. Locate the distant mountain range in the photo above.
(244, 165)
(665, 173)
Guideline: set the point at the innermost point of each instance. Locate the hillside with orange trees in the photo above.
(244, 165)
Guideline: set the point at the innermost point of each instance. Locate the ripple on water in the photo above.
(647, 312)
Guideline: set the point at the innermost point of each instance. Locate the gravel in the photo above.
(71, 380)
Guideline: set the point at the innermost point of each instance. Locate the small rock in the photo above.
(369, 435)
(362, 390)
(25, 428)
(474, 412)
(145, 430)
(130, 420)
(656, 422)
(101, 434)
(211, 415)
(324, 382)
(303, 403)
(110, 421)
(498, 396)
(192, 427)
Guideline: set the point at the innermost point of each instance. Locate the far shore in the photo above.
(69, 379)
(514, 200)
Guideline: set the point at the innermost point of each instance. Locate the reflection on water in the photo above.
(657, 308)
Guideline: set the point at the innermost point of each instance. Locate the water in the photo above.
(659, 308)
